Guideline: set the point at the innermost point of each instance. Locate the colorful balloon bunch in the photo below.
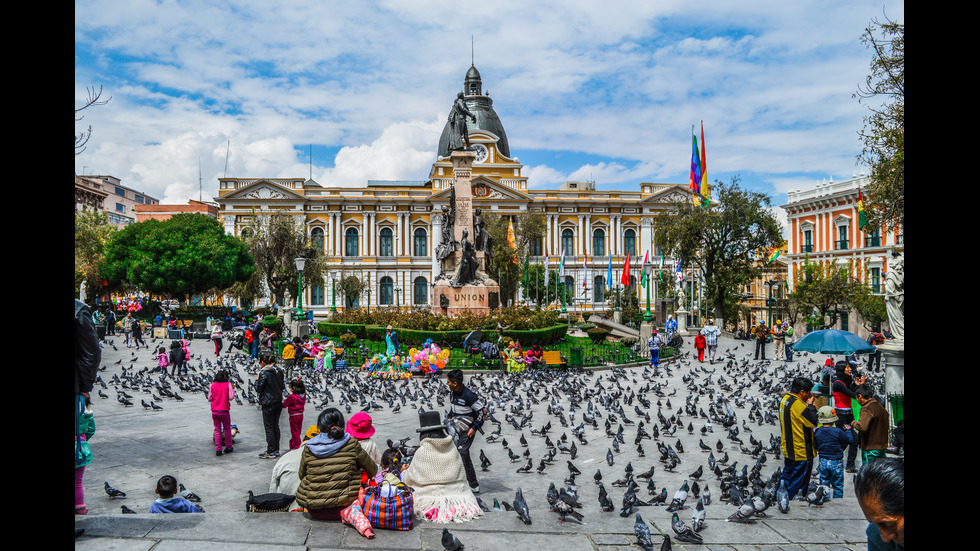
(129, 304)
(430, 357)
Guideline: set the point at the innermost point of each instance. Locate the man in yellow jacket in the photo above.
(797, 419)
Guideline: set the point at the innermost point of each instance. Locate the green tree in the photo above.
(275, 242)
(528, 227)
(725, 241)
(884, 128)
(185, 255)
(823, 291)
(350, 287)
(870, 306)
(92, 234)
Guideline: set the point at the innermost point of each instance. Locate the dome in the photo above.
(482, 108)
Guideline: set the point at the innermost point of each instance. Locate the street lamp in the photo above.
(398, 302)
(333, 278)
(300, 264)
(648, 268)
(770, 284)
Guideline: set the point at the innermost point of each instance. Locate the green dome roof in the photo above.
(482, 108)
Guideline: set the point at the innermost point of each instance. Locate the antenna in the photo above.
(200, 180)
(311, 161)
(472, 59)
(227, 153)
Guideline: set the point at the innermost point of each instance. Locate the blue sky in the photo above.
(586, 90)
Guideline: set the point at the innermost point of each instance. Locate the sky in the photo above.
(351, 91)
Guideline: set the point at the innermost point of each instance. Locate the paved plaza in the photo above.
(134, 446)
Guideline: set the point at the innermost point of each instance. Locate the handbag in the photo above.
(267, 503)
(392, 513)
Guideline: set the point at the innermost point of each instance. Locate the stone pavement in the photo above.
(134, 447)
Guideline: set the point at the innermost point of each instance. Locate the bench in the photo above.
(552, 358)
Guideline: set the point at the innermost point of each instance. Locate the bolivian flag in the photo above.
(862, 216)
(773, 255)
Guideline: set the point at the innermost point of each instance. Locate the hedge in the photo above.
(415, 337)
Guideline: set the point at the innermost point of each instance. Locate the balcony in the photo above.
(873, 241)
(806, 248)
(841, 245)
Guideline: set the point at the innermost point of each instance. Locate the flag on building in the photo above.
(773, 255)
(609, 274)
(705, 200)
(678, 272)
(511, 242)
(660, 269)
(645, 276)
(546, 264)
(585, 268)
(862, 216)
(695, 169)
(625, 280)
(561, 267)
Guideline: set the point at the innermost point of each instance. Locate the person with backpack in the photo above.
(874, 358)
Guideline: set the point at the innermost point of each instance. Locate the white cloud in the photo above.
(404, 151)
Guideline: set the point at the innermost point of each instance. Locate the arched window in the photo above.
(386, 243)
(421, 243)
(598, 289)
(569, 288)
(316, 238)
(629, 242)
(246, 233)
(599, 243)
(350, 246)
(420, 291)
(386, 291)
(537, 249)
(567, 243)
(632, 284)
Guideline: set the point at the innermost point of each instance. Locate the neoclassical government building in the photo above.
(386, 232)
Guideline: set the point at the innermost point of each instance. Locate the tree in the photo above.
(92, 234)
(94, 98)
(275, 242)
(823, 291)
(725, 241)
(870, 306)
(528, 227)
(350, 288)
(184, 255)
(884, 128)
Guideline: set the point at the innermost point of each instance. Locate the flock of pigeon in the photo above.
(554, 423)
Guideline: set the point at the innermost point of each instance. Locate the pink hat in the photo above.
(360, 426)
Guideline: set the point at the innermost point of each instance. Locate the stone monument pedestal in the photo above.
(452, 301)
(646, 330)
(681, 321)
(893, 356)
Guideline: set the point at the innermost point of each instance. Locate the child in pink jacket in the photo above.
(221, 393)
(295, 404)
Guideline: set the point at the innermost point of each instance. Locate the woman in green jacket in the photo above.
(330, 468)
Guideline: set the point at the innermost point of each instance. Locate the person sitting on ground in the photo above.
(880, 489)
(330, 468)
(168, 502)
(285, 474)
(392, 466)
(436, 476)
(361, 427)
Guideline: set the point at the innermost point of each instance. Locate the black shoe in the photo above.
(217, 453)
(229, 449)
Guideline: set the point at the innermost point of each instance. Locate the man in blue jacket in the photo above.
(467, 415)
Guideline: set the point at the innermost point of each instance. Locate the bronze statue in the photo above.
(459, 137)
(466, 272)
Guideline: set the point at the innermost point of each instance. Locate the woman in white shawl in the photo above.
(439, 488)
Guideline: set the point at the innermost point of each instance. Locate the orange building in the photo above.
(163, 212)
(823, 227)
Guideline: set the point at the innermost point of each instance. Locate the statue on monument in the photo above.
(481, 237)
(895, 296)
(459, 137)
(448, 244)
(466, 272)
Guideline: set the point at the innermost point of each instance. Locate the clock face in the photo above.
(481, 153)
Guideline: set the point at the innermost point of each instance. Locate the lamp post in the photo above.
(648, 267)
(770, 284)
(333, 278)
(398, 302)
(300, 264)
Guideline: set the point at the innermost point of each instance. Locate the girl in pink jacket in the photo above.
(221, 393)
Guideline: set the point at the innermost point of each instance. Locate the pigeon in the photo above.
(484, 462)
(188, 495)
(526, 468)
(450, 542)
(696, 475)
(597, 477)
(128, 511)
(573, 469)
(112, 492)
(743, 514)
(482, 505)
(609, 457)
(697, 519)
(680, 497)
(520, 506)
(683, 532)
(605, 504)
(819, 496)
(642, 533)
(565, 510)
(782, 497)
